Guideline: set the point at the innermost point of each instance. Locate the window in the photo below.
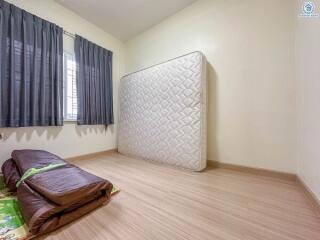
(70, 89)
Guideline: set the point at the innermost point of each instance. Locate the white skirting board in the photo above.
(163, 113)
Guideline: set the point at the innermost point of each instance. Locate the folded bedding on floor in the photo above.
(55, 196)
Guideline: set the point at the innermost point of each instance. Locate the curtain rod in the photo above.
(69, 34)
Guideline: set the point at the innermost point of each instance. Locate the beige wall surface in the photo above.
(308, 97)
(249, 47)
(69, 140)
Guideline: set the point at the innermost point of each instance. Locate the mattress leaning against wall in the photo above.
(163, 113)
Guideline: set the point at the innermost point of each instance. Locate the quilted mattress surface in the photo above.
(163, 113)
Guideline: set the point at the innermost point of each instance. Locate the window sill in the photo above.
(70, 120)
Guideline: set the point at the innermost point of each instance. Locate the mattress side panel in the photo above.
(204, 101)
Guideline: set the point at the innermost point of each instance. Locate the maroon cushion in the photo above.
(11, 174)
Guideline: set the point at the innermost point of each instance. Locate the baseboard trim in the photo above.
(310, 195)
(271, 173)
(92, 155)
(252, 170)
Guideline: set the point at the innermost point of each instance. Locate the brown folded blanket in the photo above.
(55, 197)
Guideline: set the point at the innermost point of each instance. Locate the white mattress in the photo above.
(163, 113)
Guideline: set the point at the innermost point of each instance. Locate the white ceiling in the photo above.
(125, 18)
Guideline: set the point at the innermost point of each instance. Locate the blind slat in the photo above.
(70, 90)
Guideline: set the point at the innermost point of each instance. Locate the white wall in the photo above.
(308, 98)
(249, 46)
(69, 140)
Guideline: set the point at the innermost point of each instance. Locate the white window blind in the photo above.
(70, 89)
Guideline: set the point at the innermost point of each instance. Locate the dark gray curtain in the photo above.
(31, 67)
(94, 83)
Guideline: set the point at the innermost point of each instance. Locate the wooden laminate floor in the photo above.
(160, 202)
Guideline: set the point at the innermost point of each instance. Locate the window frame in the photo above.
(67, 55)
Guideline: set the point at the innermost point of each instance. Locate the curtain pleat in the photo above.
(94, 83)
(31, 76)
